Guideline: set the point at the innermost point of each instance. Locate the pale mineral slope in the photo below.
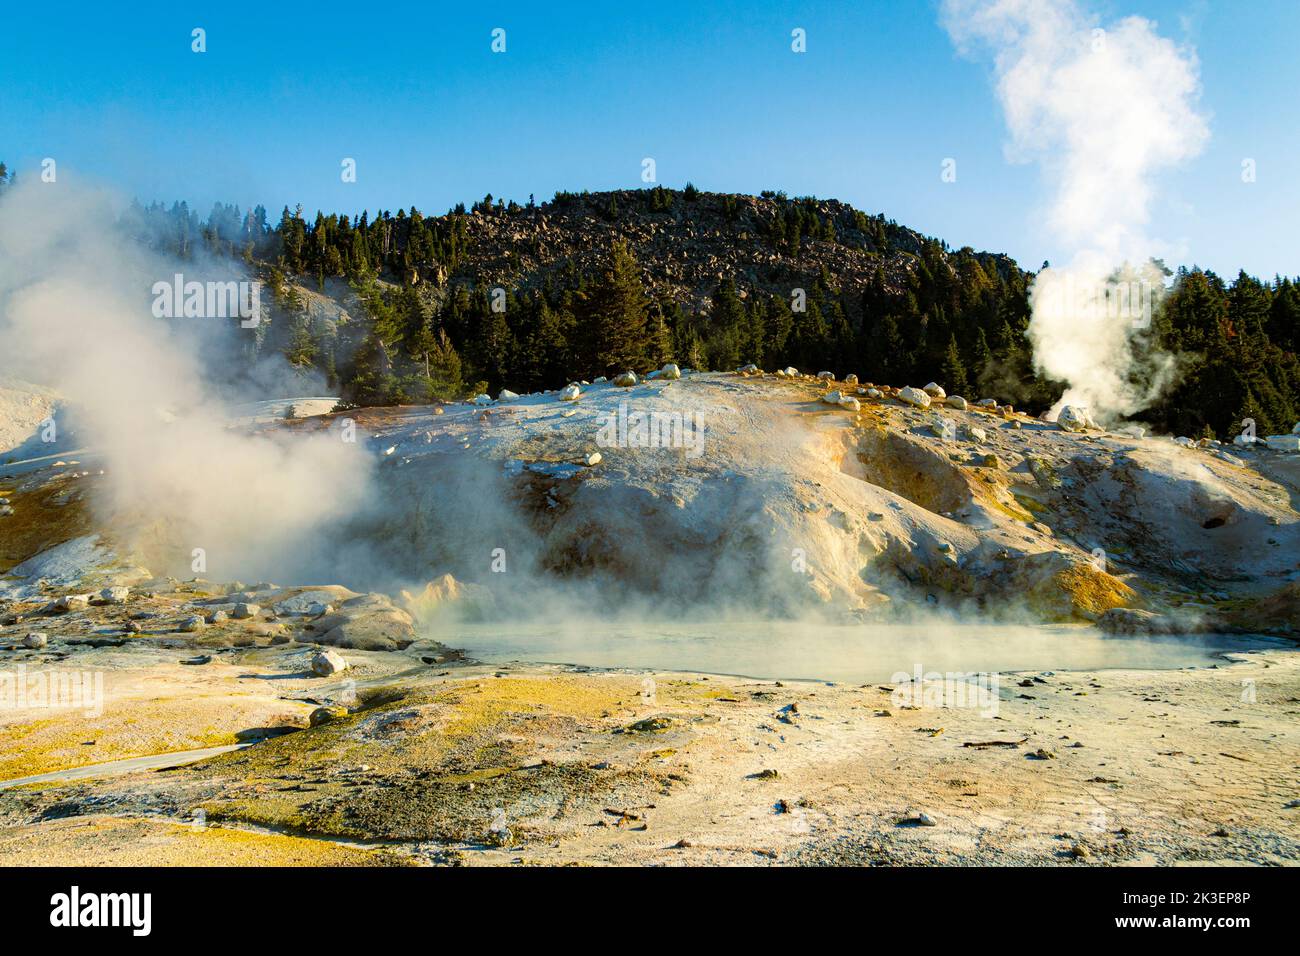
(781, 503)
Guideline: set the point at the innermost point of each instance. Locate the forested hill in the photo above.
(531, 296)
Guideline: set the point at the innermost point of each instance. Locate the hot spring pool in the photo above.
(851, 653)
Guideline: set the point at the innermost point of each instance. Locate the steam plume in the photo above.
(1103, 111)
(75, 316)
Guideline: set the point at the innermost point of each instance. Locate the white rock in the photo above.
(914, 396)
(505, 395)
(826, 376)
(1283, 442)
(977, 434)
(1074, 418)
(987, 403)
(599, 381)
(791, 371)
(194, 623)
(850, 379)
(748, 369)
(625, 379)
(35, 640)
(934, 390)
(115, 595)
(1243, 440)
(325, 663)
(955, 401)
(875, 393)
(72, 602)
(832, 398)
(570, 393)
(851, 403)
(1296, 430)
(593, 459)
(481, 400)
(1184, 441)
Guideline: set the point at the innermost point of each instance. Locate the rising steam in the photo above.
(1103, 111)
(75, 316)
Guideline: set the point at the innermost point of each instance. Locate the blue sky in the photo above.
(711, 91)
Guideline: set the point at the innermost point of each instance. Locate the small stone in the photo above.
(326, 714)
(217, 617)
(327, 663)
(191, 624)
(35, 640)
(115, 595)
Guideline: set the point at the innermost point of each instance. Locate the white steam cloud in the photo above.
(75, 296)
(1103, 111)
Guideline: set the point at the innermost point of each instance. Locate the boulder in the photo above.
(875, 393)
(217, 617)
(244, 610)
(832, 398)
(791, 371)
(851, 403)
(1283, 442)
(370, 623)
(311, 601)
(570, 393)
(115, 595)
(826, 376)
(670, 371)
(987, 403)
(625, 379)
(505, 395)
(1074, 418)
(192, 624)
(481, 400)
(326, 714)
(70, 602)
(914, 396)
(1243, 441)
(35, 640)
(977, 435)
(934, 390)
(1296, 429)
(850, 379)
(327, 663)
(750, 369)
(955, 401)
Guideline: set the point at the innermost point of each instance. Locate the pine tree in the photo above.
(616, 312)
(953, 371)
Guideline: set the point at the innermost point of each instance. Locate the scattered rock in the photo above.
(326, 714)
(244, 610)
(505, 395)
(670, 371)
(115, 595)
(914, 396)
(625, 379)
(570, 393)
(935, 391)
(1075, 418)
(191, 624)
(327, 663)
(36, 640)
(955, 401)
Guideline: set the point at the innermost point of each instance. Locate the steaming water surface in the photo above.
(848, 653)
